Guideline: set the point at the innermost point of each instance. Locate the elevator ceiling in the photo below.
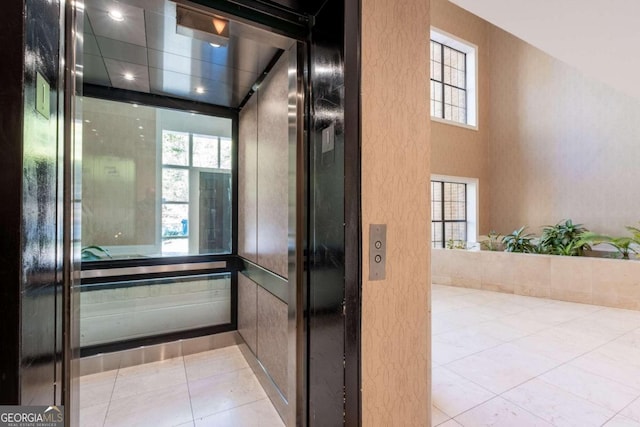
(141, 51)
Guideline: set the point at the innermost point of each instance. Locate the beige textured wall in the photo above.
(455, 150)
(395, 184)
(561, 145)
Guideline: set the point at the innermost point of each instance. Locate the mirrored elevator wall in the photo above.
(263, 197)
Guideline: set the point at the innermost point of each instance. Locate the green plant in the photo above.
(94, 253)
(456, 244)
(622, 244)
(519, 241)
(564, 238)
(493, 243)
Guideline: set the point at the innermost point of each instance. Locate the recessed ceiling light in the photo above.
(87, 121)
(93, 130)
(200, 89)
(141, 136)
(129, 76)
(214, 45)
(140, 127)
(116, 15)
(135, 105)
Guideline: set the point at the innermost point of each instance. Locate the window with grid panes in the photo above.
(448, 212)
(448, 83)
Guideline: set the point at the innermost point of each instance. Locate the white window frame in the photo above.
(473, 207)
(471, 51)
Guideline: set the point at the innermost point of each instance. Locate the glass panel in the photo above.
(126, 191)
(436, 190)
(225, 153)
(436, 234)
(456, 231)
(205, 151)
(436, 55)
(454, 114)
(437, 91)
(141, 308)
(175, 148)
(175, 185)
(462, 79)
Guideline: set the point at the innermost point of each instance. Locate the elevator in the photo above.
(268, 226)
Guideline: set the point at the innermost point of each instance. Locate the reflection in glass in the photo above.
(205, 151)
(225, 153)
(141, 308)
(175, 185)
(155, 182)
(175, 148)
(175, 220)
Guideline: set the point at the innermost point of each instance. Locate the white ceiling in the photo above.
(599, 37)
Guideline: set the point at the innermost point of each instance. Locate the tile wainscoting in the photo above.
(599, 281)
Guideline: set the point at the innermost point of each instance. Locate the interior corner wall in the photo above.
(455, 150)
(396, 382)
(263, 221)
(561, 144)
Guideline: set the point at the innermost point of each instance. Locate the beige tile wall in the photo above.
(586, 280)
(395, 186)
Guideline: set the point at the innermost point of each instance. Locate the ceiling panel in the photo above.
(118, 69)
(184, 86)
(130, 30)
(182, 64)
(94, 70)
(241, 53)
(121, 51)
(91, 45)
(146, 45)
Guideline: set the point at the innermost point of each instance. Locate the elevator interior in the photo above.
(189, 148)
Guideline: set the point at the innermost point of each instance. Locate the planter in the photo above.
(599, 281)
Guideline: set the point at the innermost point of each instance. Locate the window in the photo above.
(454, 210)
(453, 81)
(448, 212)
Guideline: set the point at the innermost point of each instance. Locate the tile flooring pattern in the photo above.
(214, 388)
(516, 361)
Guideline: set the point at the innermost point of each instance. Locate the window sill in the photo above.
(452, 123)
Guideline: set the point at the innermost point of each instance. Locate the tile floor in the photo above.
(214, 388)
(516, 361)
